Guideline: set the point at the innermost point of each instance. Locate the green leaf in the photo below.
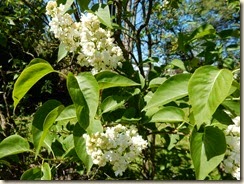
(12, 145)
(68, 4)
(202, 31)
(94, 126)
(45, 168)
(37, 69)
(69, 113)
(83, 4)
(214, 142)
(68, 143)
(80, 147)
(222, 117)
(169, 114)
(112, 103)
(82, 110)
(207, 150)
(178, 63)
(108, 79)
(172, 89)
(62, 52)
(32, 174)
(90, 90)
(43, 120)
(208, 87)
(156, 82)
(174, 139)
(233, 106)
(103, 14)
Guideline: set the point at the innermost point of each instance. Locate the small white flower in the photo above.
(231, 164)
(118, 145)
(86, 38)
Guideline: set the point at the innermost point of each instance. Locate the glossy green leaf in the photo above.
(43, 120)
(103, 14)
(37, 69)
(82, 109)
(233, 105)
(172, 89)
(12, 145)
(46, 170)
(112, 103)
(80, 146)
(68, 143)
(156, 82)
(108, 79)
(207, 150)
(222, 117)
(178, 63)
(94, 126)
(90, 90)
(69, 113)
(169, 115)
(208, 87)
(62, 52)
(32, 174)
(214, 142)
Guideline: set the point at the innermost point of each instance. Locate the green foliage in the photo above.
(169, 114)
(12, 145)
(37, 69)
(208, 88)
(207, 150)
(172, 89)
(103, 14)
(62, 52)
(80, 147)
(32, 174)
(43, 120)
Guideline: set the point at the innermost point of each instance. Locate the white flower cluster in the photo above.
(94, 45)
(232, 162)
(118, 146)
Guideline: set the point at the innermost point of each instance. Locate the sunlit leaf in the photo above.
(103, 14)
(112, 103)
(169, 114)
(12, 145)
(207, 150)
(90, 90)
(69, 113)
(32, 174)
(178, 63)
(46, 170)
(43, 120)
(108, 79)
(208, 87)
(37, 69)
(172, 89)
(62, 52)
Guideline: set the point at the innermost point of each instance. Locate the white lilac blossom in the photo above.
(231, 164)
(93, 44)
(118, 146)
